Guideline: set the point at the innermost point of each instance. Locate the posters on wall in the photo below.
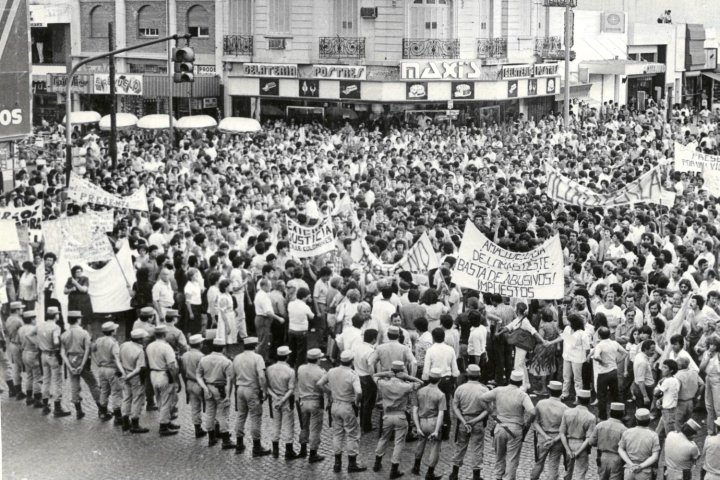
(83, 191)
(484, 266)
(312, 241)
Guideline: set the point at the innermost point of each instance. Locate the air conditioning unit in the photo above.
(369, 12)
(276, 43)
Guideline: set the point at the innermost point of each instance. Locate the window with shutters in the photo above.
(346, 13)
(240, 19)
(100, 16)
(279, 16)
(198, 22)
(430, 19)
(148, 18)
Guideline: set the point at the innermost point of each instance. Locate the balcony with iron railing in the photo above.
(342, 47)
(430, 48)
(492, 48)
(560, 3)
(548, 47)
(238, 45)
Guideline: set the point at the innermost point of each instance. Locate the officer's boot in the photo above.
(378, 464)
(258, 450)
(226, 441)
(125, 423)
(103, 413)
(395, 471)
(314, 457)
(353, 466)
(28, 398)
(12, 391)
(46, 406)
(19, 395)
(303, 450)
(172, 426)
(411, 436)
(212, 438)
(337, 468)
(240, 444)
(118, 417)
(136, 428)
(217, 429)
(59, 412)
(416, 466)
(199, 432)
(275, 449)
(430, 475)
(455, 473)
(79, 414)
(38, 400)
(165, 431)
(476, 474)
(290, 453)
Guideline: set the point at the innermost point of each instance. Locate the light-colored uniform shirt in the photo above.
(577, 423)
(467, 398)
(215, 369)
(132, 355)
(75, 340)
(639, 443)
(160, 356)
(387, 353)
(680, 453)
(550, 414)
(308, 376)
(607, 434)
(249, 369)
(343, 383)
(394, 393)
(511, 404)
(105, 350)
(280, 378)
(48, 335)
(431, 401)
(190, 361)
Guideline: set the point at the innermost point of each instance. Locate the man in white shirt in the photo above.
(677, 351)
(162, 293)
(668, 389)
(362, 361)
(477, 341)
(299, 316)
(612, 312)
(382, 311)
(264, 315)
(442, 356)
(351, 334)
(605, 354)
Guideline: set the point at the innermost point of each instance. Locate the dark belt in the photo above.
(297, 332)
(688, 400)
(610, 452)
(50, 351)
(157, 370)
(576, 438)
(471, 414)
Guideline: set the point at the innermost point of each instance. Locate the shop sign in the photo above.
(209, 102)
(511, 72)
(653, 68)
(125, 84)
(349, 72)
(448, 70)
(463, 90)
(277, 70)
(269, 86)
(416, 90)
(350, 90)
(551, 85)
(532, 87)
(309, 88)
(41, 15)
(39, 85)
(512, 88)
(57, 83)
(204, 70)
(710, 59)
(383, 73)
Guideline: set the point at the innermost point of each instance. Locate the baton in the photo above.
(269, 401)
(329, 412)
(202, 397)
(299, 412)
(457, 429)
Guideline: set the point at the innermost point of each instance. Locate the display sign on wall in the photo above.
(350, 72)
(463, 90)
(125, 84)
(532, 86)
(277, 70)
(269, 86)
(449, 70)
(309, 88)
(510, 72)
(551, 85)
(350, 90)
(15, 107)
(416, 91)
(81, 83)
(512, 88)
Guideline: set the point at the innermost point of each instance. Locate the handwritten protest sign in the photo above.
(310, 241)
(30, 215)
(419, 259)
(57, 232)
(646, 189)
(9, 240)
(92, 248)
(688, 159)
(82, 191)
(484, 266)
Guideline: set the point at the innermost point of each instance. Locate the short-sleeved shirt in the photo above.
(690, 383)
(395, 392)
(75, 339)
(467, 398)
(160, 355)
(190, 361)
(643, 370)
(670, 388)
(12, 325)
(105, 350)
(549, 414)
(263, 304)
(511, 404)
(176, 339)
(680, 453)
(711, 453)
(48, 334)
(363, 353)
(607, 352)
(390, 352)
(249, 368)
(607, 434)
(280, 378)
(214, 368)
(28, 342)
(343, 382)
(431, 401)
(639, 443)
(131, 356)
(298, 312)
(577, 423)
(307, 377)
(440, 356)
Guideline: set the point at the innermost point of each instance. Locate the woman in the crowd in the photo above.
(27, 286)
(77, 289)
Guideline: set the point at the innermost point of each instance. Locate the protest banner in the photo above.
(9, 240)
(421, 258)
(75, 229)
(646, 189)
(94, 247)
(312, 241)
(484, 266)
(24, 252)
(83, 191)
(688, 159)
(30, 215)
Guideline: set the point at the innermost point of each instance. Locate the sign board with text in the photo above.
(15, 106)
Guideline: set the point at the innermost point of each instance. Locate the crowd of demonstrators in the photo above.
(219, 295)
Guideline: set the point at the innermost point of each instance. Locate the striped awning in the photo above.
(159, 86)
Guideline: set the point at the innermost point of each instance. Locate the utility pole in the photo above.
(113, 98)
(170, 79)
(568, 46)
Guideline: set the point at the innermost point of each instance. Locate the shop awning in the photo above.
(622, 67)
(714, 76)
(577, 90)
(159, 86)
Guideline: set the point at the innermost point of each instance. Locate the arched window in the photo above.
(100, 16)
(198, 22)
(345, 18)
(240, 19)
(148, 21)
(430, 19)
(279, 16)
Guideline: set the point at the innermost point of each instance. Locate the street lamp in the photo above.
(569, 27)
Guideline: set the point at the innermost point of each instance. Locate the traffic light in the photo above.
(183, 59)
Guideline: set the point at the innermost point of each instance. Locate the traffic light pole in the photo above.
(113, 99)
(68, 90)
(568, 41)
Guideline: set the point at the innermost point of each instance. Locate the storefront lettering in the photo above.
(339, 71)
(58, 83)
(270, 70)
(452, 70)
(512, 72)
(124, 84)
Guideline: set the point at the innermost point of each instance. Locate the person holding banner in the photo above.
(27, 286)
(77, 288)
(522, 322)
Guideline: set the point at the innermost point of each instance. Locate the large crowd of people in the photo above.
(222, 309)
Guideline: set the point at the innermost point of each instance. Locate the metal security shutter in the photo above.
(695, 52)
(148, 17)
(198, 17)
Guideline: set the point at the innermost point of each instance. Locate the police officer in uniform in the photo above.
(431, 406)
(250, 386)
(164, 376)
(27, 335)
(75, 352)
(281, 390)
(193, 392)
(576, 431)
(132, 359)
(176, 339)
(395, 388)
(711, 454)
(606, 437)
(310, 405)
(215, 377)
(515, 413)
(470, 413)
(146, 321)
(49, 344)
(681, 452)
(106, 352)
(639, 448)
(12, 325)
(343, 384)
(548, 447)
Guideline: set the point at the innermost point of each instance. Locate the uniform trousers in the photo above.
(217, 409)
(393, 422)
(427, 426)
(508, 442)
(577, 467)
(283, 422)
(31, 362)
(87, 375)
(346, 431)
(548, 458)
(110, 387)
(194, 396)
(6, 371)
(611, 466)
(17, 364)
(133, 400)
(475, 439)
(164, 393)
(248, 404)
(644, 474)
(312, 422)
(52, 376)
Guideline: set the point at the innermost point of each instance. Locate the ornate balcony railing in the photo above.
(347, 47)
(548, 47)
(430, 48)
(492, 47)
(559, 3)
(238, 45)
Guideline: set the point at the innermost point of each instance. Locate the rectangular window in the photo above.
(346, 12)
(279, 16)
(149, 32)
(240, 18)
(199, 32)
